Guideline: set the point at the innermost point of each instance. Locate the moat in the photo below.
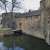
(23, 42)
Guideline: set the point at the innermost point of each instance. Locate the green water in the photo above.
(26, 42)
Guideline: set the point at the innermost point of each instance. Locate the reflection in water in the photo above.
(1, 44)
(2, 47)
(23, 42)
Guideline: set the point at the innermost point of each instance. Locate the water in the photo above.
(23, 42)
(2, 47)
(9, 43)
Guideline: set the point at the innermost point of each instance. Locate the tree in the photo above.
(14, 3)
(10, 23)
(4, 3)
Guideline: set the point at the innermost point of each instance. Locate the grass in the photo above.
(4, 29)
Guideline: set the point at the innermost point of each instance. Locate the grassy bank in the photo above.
(4, 29)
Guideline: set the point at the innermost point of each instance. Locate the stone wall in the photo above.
(9, 20)
(28, 23)
(45, 24)
(24, 23)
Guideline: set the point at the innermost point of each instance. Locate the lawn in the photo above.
(4, 29)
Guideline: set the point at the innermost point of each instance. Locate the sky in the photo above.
(28, 4)
(32, 4)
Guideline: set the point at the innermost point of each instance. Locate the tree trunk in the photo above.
(5, 8)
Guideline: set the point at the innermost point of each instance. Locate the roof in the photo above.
(29, 14)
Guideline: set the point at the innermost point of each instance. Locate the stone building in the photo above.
(8, 20)
(36, 23)
(28, 22)
(45, 21)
